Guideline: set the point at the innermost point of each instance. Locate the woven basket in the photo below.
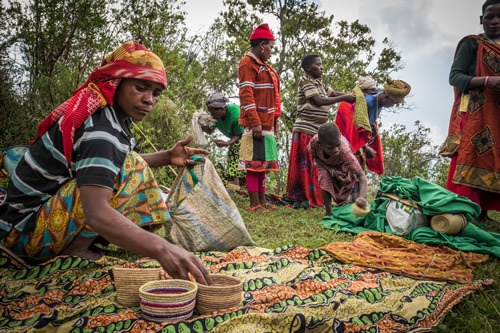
(450, 224)
(225, 293)
(129, 280)
(358, 211)
(168, 300)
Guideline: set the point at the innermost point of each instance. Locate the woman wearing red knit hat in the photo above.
(260, 109)
(81, 178)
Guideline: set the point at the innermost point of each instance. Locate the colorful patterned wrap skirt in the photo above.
(302, 184)
(258, 155)
(233, 159)
(136, 195)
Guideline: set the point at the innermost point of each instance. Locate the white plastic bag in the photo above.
(403, 218)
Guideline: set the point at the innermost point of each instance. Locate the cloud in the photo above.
(407, 25)
(431, 95)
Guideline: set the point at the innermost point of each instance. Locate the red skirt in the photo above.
(302, 184)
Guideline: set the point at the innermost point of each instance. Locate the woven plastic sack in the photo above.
(201, 118)
(204, 217)
(403, 218)
(199, 139)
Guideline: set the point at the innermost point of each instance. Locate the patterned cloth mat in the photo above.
(404, 257)
(288, 289)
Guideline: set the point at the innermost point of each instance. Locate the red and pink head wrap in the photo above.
(130, 60)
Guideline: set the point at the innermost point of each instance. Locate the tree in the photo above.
(52, 45)
(409, 154)
(52, 35)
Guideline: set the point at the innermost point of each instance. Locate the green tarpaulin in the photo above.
(432, 200)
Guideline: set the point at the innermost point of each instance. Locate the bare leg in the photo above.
(254, 199)
(327, 201)
(262, 197)
(79, 247)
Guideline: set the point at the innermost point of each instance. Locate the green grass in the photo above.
(477, 313)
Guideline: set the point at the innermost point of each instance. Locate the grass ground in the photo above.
(477, 313)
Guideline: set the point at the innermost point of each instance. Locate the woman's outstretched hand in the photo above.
(222, 143)
(349, 98)
(180, 154)
(494, 83)
(179, 263)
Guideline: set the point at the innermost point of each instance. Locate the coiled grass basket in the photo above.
(168, 300)
(129, 280)
(226, 292)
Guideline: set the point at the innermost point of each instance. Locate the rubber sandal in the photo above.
(269, 206)
(258, 208)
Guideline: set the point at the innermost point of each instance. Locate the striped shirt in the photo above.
(99, 150)
(257, 93)
(309, 115)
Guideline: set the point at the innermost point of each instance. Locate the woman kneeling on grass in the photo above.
(339, 173)
(81, 179)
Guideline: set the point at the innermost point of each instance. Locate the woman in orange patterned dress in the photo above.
(473, 141)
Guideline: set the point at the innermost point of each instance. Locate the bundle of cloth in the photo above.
(433, 200)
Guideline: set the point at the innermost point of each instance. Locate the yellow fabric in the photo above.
(128, 52)
(464, 103)
(396, 254)
(246, 147)
(397, 89)
(361, 110)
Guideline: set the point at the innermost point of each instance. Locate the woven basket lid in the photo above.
(450, 224)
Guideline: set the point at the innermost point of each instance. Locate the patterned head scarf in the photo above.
(396, 89)
(217, 100)
(130, 60)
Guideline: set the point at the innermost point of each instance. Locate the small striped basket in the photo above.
(226, 292)
(168, 300)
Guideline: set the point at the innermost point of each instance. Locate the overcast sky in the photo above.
(425, 32)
